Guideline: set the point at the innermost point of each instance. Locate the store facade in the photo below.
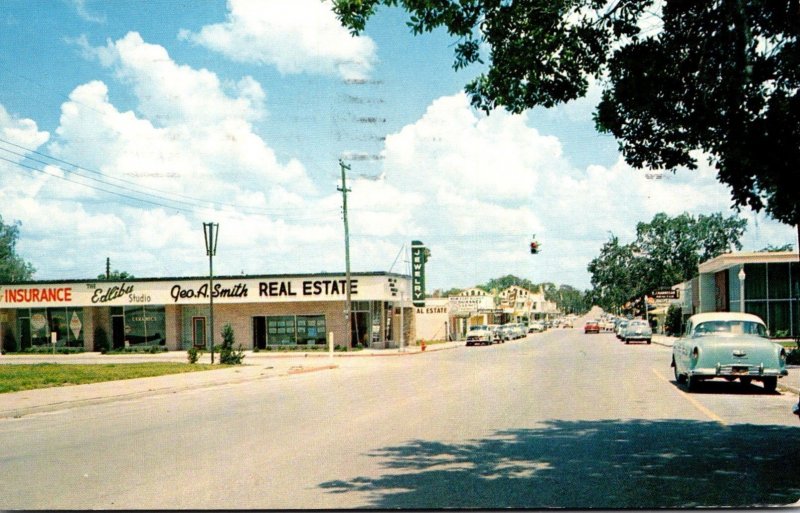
(765, 284)
(264, 311)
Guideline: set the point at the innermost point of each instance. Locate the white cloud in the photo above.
(296, 36)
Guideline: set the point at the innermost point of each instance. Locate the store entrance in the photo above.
(360, 329)
(118, 331)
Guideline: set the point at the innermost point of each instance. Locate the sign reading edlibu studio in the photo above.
(419, 256)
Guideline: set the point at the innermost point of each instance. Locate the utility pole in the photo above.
(348, 304)
(108, 268)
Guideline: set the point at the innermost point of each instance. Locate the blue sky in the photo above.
(125, 125)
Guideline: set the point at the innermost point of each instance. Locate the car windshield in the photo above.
(730, 327)
(638, 323)
(474, 328)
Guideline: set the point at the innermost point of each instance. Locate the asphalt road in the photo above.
(560, 419)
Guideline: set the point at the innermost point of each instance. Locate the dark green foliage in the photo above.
(674, 321)
(193, 354)
(227, 354)
(667, 251)
(682, 80)
(12, 267)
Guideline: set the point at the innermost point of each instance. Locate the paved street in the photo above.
(558, 419)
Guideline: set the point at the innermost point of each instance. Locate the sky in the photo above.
(125, 125)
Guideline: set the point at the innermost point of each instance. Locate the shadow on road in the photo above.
(592, 464)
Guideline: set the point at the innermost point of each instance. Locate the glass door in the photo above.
(199, 332)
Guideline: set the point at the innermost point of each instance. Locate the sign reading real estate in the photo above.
(419, 256)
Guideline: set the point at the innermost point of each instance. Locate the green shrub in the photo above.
(227, 354)
(193, 354)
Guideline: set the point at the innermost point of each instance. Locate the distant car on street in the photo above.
(621, 325)
(727, 345)
(535, 327)
(591, 327)
(480, 334)
(637, 330)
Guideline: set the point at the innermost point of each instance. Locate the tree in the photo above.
(667, 251)
(682, 80)
(12, 267)
(115, 275)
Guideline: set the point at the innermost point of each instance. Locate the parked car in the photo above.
(637, 330)
(591, 327)
(480, 334)
(796, 409)
(535, 327)
(727, 345)
(503, 333)
(621, 325)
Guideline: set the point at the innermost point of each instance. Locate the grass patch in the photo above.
(17, 377)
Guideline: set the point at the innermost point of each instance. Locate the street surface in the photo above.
(559, 419)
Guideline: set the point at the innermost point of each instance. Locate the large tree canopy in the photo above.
(667, 251)
(682, 79)
(12, 267)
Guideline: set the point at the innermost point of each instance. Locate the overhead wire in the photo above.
(161, 199)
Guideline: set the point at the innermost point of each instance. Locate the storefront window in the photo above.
(779, 322)
(36, 326)
(778, 275)
(281, 330)
(755, 284)
(145, 325)
(311, 329)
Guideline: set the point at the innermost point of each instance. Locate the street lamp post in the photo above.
(742, 276)
(211, 233)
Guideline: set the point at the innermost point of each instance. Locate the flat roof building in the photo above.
(265, 311)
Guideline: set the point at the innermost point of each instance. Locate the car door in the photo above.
(681, 349)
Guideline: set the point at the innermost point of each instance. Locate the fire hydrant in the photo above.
(422, 345)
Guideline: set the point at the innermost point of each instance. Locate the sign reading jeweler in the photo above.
(419, 256)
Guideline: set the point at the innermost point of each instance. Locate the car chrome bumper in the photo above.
(736, 371)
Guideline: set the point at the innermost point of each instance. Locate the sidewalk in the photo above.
(257, 365)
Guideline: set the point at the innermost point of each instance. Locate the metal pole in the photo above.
(402, 322)
(211, 232)
(742, 276)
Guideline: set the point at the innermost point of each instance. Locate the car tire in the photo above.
(680, 378)
(627, 340)
(692, 383)
(649, 341)
(770, 384)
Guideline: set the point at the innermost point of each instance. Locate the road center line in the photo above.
(705, 411)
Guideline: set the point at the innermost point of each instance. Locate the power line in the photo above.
(153, 199)
(160, 195)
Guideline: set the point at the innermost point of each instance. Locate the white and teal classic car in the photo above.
(727, 345)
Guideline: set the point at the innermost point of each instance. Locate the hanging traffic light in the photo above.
(534, 246)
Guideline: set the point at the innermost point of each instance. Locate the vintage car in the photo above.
(727, 345)
(591, 327)
(480, 334)
(637, 329)
(796, 409)
(621, 325)
(536, 327)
